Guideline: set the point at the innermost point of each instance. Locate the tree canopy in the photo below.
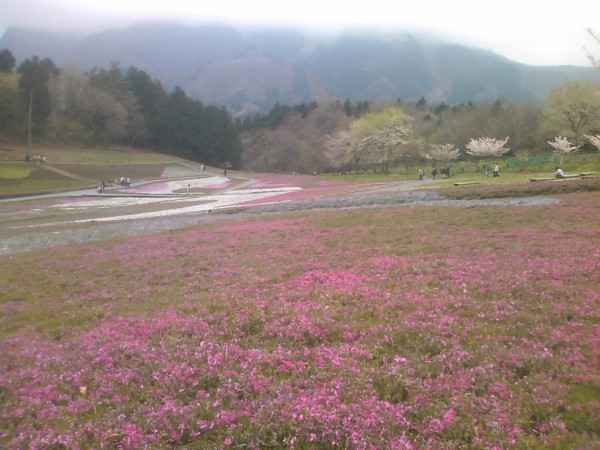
(487, 147)
(113, 105)
(126, 106)
(573, 110)
(7, 61)
(33, 83)
(380, 138)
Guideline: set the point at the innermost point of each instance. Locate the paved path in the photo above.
(35, 238)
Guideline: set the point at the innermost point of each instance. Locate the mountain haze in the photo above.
(251, 70)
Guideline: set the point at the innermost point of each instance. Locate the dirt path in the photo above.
(85, 216)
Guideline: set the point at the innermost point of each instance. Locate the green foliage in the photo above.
(572, 110)
(391, 388)
(305, 141)
(580, 411)
(14, 172)
(12, 111)
(33, 83)
(529, 161)
(17, 181)
(205, 134)
(113, 106)
(7, 61)
(431, 125)
(356, 109)
(380, 138)
(276, 117)
(126, 107)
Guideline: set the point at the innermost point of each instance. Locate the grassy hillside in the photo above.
(77, 167)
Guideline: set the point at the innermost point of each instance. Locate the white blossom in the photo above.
(442, 152)
(562, 145)
(594, 140)
(487, 147)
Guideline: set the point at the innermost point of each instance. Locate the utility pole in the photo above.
(28, 154)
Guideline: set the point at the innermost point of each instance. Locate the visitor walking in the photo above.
(496, 170)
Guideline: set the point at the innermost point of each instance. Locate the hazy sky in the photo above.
(538, 32)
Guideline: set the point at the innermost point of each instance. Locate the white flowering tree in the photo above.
(487, 148)
(385, 145)
(380, 138)
(594, 140)
(563, 147)
(442, 153)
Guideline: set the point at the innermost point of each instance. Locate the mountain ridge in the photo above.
(253, 69)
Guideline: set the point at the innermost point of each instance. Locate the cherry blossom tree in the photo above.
(487, 147)
(442, 152)
(563, 147)
(594, 140)
(380, 138)
(384, 145)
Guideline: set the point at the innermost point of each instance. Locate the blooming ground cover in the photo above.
(395, 327)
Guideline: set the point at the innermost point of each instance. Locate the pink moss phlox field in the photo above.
(307, 183)
(267, 184)
(398, 327)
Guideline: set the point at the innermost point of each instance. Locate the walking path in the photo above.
(86, 215)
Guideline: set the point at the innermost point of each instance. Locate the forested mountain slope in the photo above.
(251, 70)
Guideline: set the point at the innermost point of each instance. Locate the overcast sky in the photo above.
(537, 32)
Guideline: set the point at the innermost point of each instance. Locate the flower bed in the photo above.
(396, 327)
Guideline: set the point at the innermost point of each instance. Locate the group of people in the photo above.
(444, 170)
(496, 173)
(496, 170)
(123, 181)
(39, 159)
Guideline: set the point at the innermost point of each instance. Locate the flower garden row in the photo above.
(397, 327)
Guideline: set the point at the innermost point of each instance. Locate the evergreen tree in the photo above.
(7, 61)
(152, 98)
(33, 83)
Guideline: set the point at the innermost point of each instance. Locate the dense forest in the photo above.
(111, 106)
(331, 135)
(127, 107)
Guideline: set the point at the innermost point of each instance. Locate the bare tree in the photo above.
(594, 61)
(573, 109)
